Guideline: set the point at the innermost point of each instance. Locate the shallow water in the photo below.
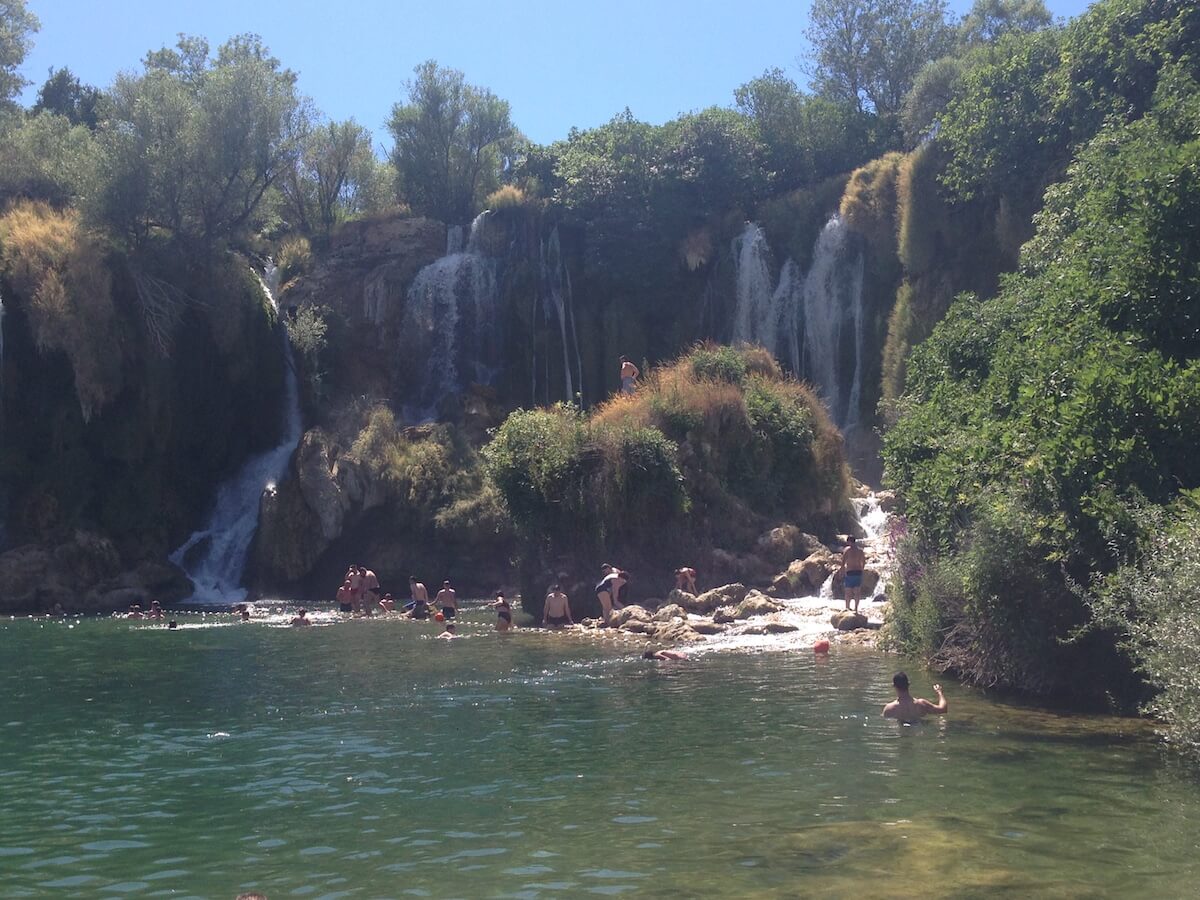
(369, 759)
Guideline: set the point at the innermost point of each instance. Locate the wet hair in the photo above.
(650, 654)
(499, 595)
(450, 626)
(900, 680)
(851, 539)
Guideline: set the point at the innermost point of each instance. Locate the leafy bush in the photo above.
(713, 362)
(507, 196)
(294, 258)
(1150, 603)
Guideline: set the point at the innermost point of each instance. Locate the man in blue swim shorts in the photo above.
(853, 563)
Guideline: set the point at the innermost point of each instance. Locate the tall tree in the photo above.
(868, 52)
(449, 141)
(64, 95)
(194, 142)
(17, 26)
(332, 176)
(989, 20)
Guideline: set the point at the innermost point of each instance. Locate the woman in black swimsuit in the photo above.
(503, 612)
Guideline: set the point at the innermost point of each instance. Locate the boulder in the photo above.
(887, 500)
(787, 542)
(755, 603)
(779, 627)
(710, 600)
(669, 612)
(627, 614)
(805, 577)
(675, 632)
(845, 620)
(680, 598)
(707, 628)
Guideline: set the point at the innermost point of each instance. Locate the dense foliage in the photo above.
(1033, 419)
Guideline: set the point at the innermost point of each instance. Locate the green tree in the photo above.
(194, 142)
(450, 139)
(868, 52)
(989, 20)
(17, 26)
(47, 158)
(332, 177)
(65, 95)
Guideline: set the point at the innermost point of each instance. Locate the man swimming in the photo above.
(557, 611)
(301, 618)
(449, 631)
(909, 709)
(853, 563)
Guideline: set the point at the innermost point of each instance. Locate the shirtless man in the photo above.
(345, 596)
(387, 604)
(685, 580)
(853, 563)
(370, 589)
(608, 590)
(909, 709)
(447, 601)
(155, 610)
(449, 632)
(557, 610)
(135, 611)
(301, 619)
(356, 588)
(418, 607)
(629, 374)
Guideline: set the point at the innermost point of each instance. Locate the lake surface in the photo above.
(369, 759)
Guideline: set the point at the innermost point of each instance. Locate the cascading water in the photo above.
(558, 308)
(216, 572)
(813, 323)
(833, 322)
(451, 326)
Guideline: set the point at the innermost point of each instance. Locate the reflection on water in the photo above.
(368, 758)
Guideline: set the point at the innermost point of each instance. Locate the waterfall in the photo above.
(558, 303)
(450, 324)
(217, 571)
(812, 323)
(833, 322)
(762, 315)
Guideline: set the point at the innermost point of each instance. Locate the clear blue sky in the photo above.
(559, 64)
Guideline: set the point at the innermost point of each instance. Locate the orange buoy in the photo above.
(439, 617)
(821, 646)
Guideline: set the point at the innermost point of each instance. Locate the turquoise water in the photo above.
(368, 759)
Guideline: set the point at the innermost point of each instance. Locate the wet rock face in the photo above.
(83, 574)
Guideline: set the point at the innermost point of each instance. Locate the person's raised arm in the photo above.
(941, 707)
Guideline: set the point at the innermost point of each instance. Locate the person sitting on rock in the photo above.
(685, 580)
(557, 610)
(387, 604)
(418, 606)
(853, 563)
(909, 709)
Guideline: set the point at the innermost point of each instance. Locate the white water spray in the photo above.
(451, 321)
(217, 572)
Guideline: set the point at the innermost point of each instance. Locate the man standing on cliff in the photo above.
(909, 709)
(629, 375)
(853, 563)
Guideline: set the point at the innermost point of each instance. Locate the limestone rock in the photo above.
(845, 620)
(755, 604)
(627, 614)
(779, 627)
(869, 582)
(676, 633)
(887, 500)
(721, 596)
(707, 628)
(669, 612)
(680, 598)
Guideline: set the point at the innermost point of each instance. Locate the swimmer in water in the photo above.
(909, 709)
(449, 632)
(664, 654)
(447, 600)
(135, 611)
(301, 618)
(155, 610)
(557, 610)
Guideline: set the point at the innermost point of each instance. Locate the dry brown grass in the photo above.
(60, 271)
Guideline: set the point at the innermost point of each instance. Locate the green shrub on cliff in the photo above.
(1073, 390)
